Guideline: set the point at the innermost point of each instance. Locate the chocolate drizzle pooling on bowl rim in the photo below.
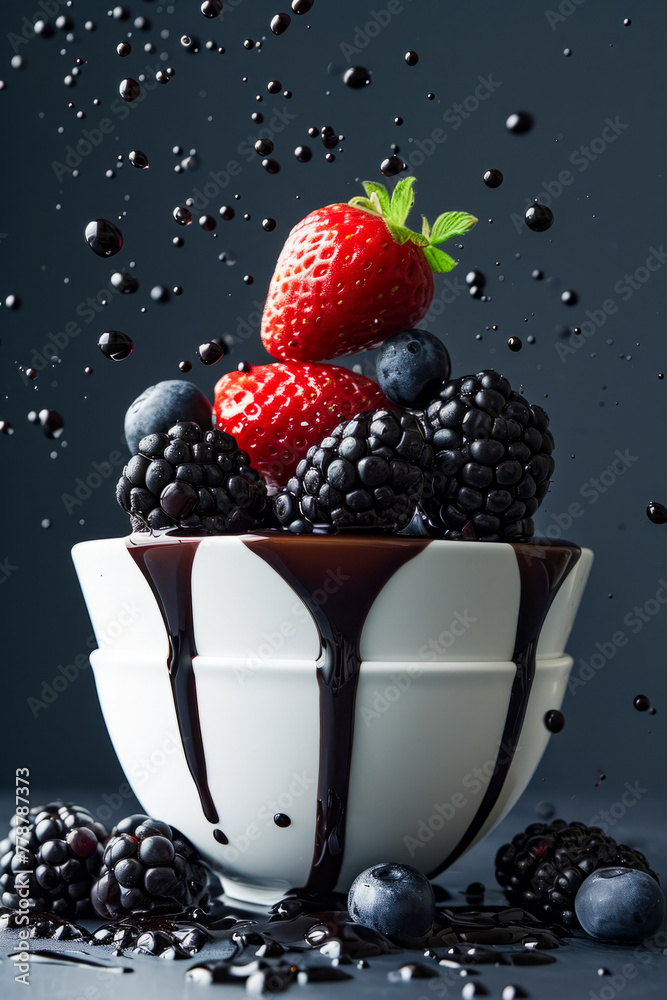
(543, 567)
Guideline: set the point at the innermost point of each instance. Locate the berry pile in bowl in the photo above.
(309, 445)
(344, 561)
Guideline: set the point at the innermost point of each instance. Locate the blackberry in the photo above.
(193, 480)
(59, 856)
(492, 462)
(544, 867)
(368, 473)
(149, 867)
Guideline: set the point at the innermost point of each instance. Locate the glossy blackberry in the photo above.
(544, 867)
(59, 856)
(197, 481)
(368, 473)
(492, 460)
(149, 867)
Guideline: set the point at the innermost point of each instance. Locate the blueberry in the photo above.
(160, 406)
(620, 904)
(411, 367)
(396, 900)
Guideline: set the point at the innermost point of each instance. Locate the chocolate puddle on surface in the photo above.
(78, 959)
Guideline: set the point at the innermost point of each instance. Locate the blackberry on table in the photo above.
(368, 473)
(149, 867)
(197, 481)
(544, 866)
(492, 460)
(59, 856)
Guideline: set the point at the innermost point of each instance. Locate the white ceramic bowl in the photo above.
(437, 667)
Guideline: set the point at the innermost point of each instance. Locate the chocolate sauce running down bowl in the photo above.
(305, 706)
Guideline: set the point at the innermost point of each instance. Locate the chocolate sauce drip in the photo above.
(65, 958)
(304, 562)
(167, 567)
(543, 568)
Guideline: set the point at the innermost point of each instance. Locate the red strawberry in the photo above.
(276, 412)
(351, 275)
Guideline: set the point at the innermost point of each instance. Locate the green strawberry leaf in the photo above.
(401, 234)
(364, 203)
(394, 213)
(402, 201)
(438, 260)
(372, 188)
(451, 224)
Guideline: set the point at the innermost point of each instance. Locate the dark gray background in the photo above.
(603, 397)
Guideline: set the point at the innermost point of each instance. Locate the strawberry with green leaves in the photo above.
(350, 275)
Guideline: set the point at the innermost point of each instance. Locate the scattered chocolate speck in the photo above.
(356, 77)
(656, 512)
(554, 721)
(211, 352)
(391, 166)
(280, 23)
(493, 178)
(519, 122)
